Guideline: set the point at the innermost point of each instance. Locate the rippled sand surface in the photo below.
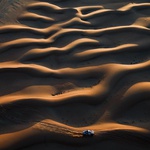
(71, 65)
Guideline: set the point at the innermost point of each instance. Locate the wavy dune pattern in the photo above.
(67, 66)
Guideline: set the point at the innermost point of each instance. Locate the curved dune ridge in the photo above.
(67, 66)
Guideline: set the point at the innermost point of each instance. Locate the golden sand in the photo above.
(67, 66)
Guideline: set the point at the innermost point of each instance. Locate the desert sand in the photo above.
(71, 65)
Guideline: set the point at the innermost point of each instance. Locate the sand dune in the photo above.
(67, 66)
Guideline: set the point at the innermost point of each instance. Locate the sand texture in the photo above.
(71, 65)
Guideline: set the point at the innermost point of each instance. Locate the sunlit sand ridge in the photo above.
(67, 66)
